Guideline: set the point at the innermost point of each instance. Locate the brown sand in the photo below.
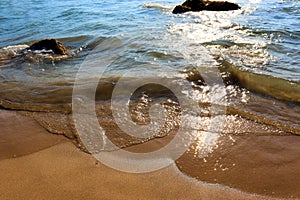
(20, 135)
(65, 172)
(267, 165)
(53, 168)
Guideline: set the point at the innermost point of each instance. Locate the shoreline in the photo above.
(57, 169)
(64, 172)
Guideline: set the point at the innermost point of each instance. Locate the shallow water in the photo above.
(251, 49)
(231, 72)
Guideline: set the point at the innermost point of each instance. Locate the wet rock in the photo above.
(199, 5)
(49, 44)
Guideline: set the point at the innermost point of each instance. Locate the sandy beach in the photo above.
(47, 166)
(208, 99)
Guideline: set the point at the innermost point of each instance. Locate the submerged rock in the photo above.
(199, 5)
(49, 44)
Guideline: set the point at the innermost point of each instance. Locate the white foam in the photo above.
(12, 50)
(157, 6)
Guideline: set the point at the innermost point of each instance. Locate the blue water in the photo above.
(275, 23)
(23, 21)
(256, 49)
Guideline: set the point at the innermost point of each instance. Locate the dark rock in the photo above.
(199, 5)
(49, 44)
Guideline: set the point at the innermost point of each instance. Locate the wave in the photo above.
(44, 82)
(157, 6)
(261, 83)
(40, 81)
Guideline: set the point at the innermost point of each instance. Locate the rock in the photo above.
(49, 44)
(199, 5)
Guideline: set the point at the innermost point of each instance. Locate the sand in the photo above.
(64, 172)
(267, 165)
(21, 135)
(48, 166)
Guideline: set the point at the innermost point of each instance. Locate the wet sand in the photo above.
(48, 166)
(267, 165)
(21, 135)
(65, 172)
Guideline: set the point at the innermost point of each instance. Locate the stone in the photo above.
(199, 5)
(49, 44)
